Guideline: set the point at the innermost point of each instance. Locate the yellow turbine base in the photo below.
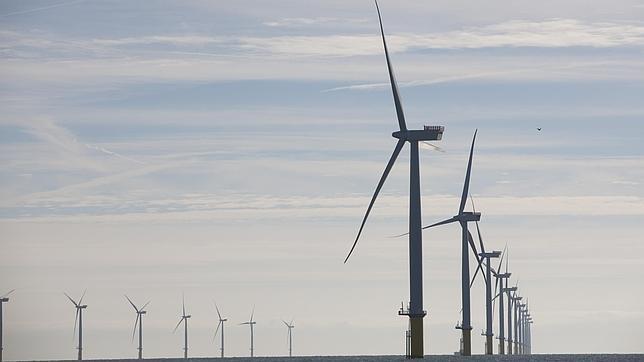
(417, 347)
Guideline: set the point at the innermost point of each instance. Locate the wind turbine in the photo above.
(251, 323)
(3, 299)
(290, 327)
(463, 217)
(499, 281)
(509, 291)
(184, 319)
(79, 318)
(415, 311)
(516, 299)
(139, 321)
(488, 286)
(220, 324)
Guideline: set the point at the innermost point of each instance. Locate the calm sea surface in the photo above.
(539, 358)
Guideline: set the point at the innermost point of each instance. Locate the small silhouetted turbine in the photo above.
(289, 336)
(251, 323)
(220, 325)
(3, 299)
(184, 319)
(79, 319)
(139, 321)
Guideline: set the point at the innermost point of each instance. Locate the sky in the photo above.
(227, 151)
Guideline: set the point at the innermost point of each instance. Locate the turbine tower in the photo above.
(415, 312)
(463, 217)
(139, 321)
(220, 324)
(79, 319)
(184, 319)
(3, 299)
(251, 323)
(290, 327)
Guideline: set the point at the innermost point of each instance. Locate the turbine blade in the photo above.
(183, 304)
(476, 255)
(390, 164)
(75, 322)
(392, 78)
(252, 314)
(466, 185)
(178, 324)
(129, 300)
(135, 324)
(70, 299)
(478, 231)
(502, 256)
(446, 221)
(7, 293)
(80, 301)
(217, 308)
(216, 331)
(285, 323)
(145, 305)
(434, 147)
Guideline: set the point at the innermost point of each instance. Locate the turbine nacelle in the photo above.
(511, 289)
(467, 216)
(428, 133)
(491, 254)
(4, 300)
(504, 275)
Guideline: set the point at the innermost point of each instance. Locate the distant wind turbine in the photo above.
(463, 217)
(251, 323)
(415, 312)
(220, 324)
(184, 319)
(79, 319)
(3, 299)
(289, 336)
(500, 277)
(139, 321)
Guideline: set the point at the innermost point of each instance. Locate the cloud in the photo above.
(294, 22)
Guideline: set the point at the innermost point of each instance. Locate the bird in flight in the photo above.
(539, 129)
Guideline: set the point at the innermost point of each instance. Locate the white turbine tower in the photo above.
(415, 312)
(3, 299)
(251, 323)
(220, 325)
(289, 336)
(184, 319)
(79, 319)
(138, 322)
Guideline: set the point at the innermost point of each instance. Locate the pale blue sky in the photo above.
(228, 150)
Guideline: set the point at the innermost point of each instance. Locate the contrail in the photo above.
(40, 8)
(112, 153)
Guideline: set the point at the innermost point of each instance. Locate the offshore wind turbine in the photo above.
(79, 318)
(290, 327)
(139, 321)
(488, 287)
(3, 299)
(415, 312)
(516, 299)
(509, 291)
(463, 217)
(251, 323)
(220, 324)
(184, 319)
(499, 281)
